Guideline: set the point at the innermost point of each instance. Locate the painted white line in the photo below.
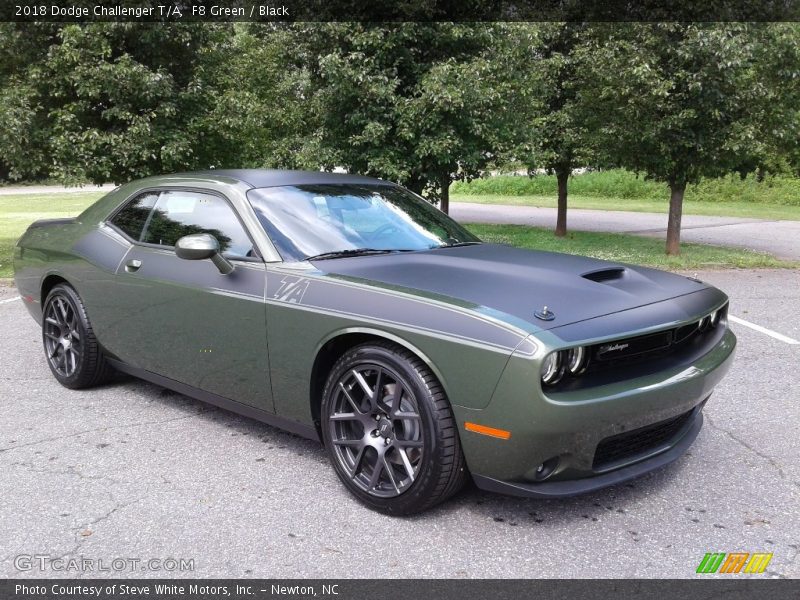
(10, 300)
(764, 330)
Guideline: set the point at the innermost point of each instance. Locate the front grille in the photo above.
(629, 351)
(639, 442)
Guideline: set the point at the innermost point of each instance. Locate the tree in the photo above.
(777, 149)
(106, 101)
(553, 62)
(24, 128)
(675, 101)
(414, 103)
(259, 112)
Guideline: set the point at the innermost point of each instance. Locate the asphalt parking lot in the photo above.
(133, 471)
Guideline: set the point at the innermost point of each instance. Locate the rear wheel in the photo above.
(73, 353)
(389, 430)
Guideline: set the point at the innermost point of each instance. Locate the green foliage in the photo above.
(259, 114)
(552, 60)
(622, 184)
(22, 137)
(415, 102)
(614, 183)
(103, 101)
(773, 190)
(678, 102)
(422, 104)
(777, 61)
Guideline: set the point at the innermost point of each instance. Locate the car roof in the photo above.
(259, 178)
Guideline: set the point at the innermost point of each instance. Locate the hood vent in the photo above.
(605, 275)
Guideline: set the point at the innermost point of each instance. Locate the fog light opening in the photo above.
(547, 468)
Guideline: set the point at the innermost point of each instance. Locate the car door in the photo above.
(185, 320)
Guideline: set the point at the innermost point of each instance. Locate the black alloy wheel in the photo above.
(73, 353)
(389, 430)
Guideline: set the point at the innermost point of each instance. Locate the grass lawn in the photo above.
(19, 211)
(753, 210)
(626, 248)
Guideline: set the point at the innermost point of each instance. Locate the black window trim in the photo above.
(159, 189)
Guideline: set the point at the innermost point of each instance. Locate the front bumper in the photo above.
(569, 428)
(560, 489)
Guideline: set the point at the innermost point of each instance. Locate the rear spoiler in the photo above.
(48, 222)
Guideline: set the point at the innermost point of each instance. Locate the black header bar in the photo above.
(705, 587)
(374, 11)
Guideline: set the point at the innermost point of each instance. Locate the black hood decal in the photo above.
(519, 282)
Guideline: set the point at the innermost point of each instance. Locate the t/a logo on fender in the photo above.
(292, 289)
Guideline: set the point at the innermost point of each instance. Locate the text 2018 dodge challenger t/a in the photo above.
(348, 309)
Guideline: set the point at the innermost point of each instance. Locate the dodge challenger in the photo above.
(349, 310)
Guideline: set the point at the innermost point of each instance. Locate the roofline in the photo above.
(265, 178)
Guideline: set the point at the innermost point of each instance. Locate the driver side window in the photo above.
(180, 213)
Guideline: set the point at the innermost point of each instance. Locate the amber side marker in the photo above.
(490, 431)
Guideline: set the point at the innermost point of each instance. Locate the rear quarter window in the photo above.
(132, 218)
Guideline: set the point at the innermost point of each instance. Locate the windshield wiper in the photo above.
(351, 252)
(456, 244)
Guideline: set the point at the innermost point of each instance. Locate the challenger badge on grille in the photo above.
(638, 345)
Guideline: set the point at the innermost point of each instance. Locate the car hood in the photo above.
(518, 282)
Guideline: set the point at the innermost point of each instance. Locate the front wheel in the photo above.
(389, 430)
(72, 350)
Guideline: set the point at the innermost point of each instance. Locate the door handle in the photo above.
(133, 265)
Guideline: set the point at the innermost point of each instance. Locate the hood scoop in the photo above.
(605, 275)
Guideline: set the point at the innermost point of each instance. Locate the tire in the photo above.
(410, 437)
(71, 348)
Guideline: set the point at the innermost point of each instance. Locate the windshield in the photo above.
(306, 221)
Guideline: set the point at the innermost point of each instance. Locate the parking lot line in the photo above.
(764, 330)
(6, 301)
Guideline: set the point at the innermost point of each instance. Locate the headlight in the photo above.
(576, 360)
(711, 320)
(557, 364)
(551, 368)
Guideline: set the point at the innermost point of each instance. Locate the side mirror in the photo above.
(200, 246)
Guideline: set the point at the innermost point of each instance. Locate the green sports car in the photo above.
(348, 309)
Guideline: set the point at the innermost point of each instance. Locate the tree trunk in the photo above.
(562, 175)
(674, 223)
(416, 185)
(444, 202)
